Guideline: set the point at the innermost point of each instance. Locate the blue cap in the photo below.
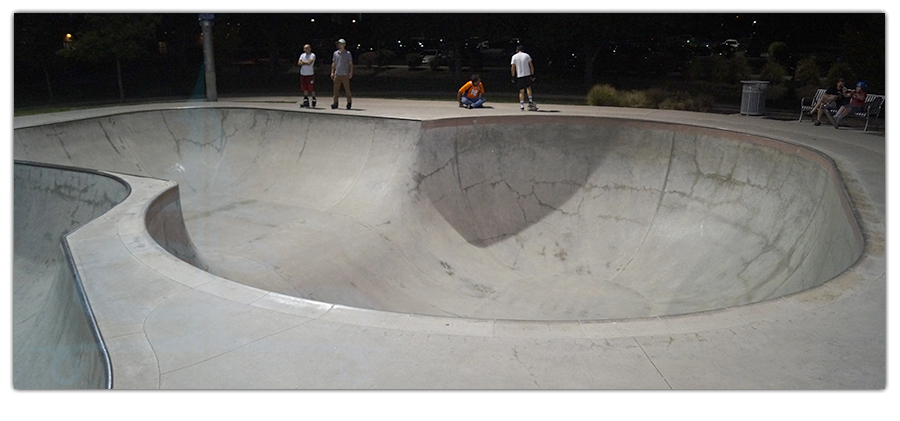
(861, 84)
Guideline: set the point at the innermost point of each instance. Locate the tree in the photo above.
(114, 37)
(863, 44)
(37, 37)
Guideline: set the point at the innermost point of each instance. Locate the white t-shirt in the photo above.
(521, 60)
(307, 69)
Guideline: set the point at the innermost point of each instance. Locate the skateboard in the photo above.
(831, 118)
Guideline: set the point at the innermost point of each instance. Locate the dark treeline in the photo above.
(164, 51)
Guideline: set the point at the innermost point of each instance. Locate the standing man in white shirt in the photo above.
(307, 64)
(341, 73)
(523, 73)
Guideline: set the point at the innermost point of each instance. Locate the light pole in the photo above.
(209, 63)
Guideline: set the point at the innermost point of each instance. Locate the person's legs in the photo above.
(472, 103)
(309, 86)
(826, 108)
(337, 91)
(842, 112)
(347, 92)
(524, 84)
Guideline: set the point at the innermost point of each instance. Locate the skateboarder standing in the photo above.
(522, 69)
(307, 63)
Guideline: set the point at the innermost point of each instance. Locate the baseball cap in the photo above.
(342, 41)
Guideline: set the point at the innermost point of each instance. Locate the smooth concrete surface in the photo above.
(407, 206)
(55, 342)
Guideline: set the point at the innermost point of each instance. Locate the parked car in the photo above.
(429, 56)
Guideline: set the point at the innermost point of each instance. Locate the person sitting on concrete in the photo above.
(471, 95)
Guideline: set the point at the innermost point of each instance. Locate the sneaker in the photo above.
(334, 106)
(468, 106)
(831, 119)
(314, 103)
(305, 104)
(836, 122)
(532, 107)
(348, 105)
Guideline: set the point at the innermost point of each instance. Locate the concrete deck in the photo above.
(169, 325)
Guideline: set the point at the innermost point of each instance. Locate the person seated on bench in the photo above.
(857, 103)
(833, 97)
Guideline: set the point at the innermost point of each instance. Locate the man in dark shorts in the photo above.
(522, 69)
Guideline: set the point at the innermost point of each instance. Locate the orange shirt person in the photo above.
(471, 95)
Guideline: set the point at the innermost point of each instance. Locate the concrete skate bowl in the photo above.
(538, 218)
(56, 344)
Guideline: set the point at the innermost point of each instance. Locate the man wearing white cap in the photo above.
(341, 73)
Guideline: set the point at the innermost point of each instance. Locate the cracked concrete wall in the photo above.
(555, 218)
(685, 219)
(53, 344)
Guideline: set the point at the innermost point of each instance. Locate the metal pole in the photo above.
(209, 63)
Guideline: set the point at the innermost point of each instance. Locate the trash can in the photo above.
(753, 99)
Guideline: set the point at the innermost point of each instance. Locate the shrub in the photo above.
(722, 69)
(808, 72)
(413, 60)
(773, 72)
(779, 52)
(656, 96)
(385, 56)
(684, 101)
(637, 99)
(604, 95)
(739, 68)
(840, 70)
(776, 93)
(719, 70)
(805, 92)
(368, 59)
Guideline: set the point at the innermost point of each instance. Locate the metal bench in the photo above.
(874, 105)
